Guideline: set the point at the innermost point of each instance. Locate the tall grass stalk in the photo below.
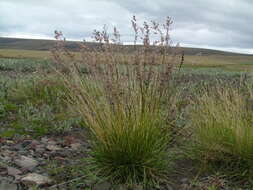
(124, 105)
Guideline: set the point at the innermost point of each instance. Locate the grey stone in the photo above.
(76, 146)
(18, 147)
(10, 142)
(13, 171)
(51, 142)
(102, 186)
(184, 180)
(26, 143)
(32, 179)
(5, 158)
(53, 147)
(169, 187)
(6, 185)
(44, 140)
(26, 163)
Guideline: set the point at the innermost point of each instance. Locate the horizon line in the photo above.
(185, 45)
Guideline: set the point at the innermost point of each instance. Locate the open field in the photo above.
(219, 62)
(33, 112)
(12, 53)
(81, 126)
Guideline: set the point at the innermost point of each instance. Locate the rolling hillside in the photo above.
(45, 45)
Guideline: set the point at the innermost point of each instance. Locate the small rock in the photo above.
(76, 146)
(2, 140)
(34, 144)
(51, 142)
(59, 187)
(8, 186)
(9, 142)
(44, 140)
(32, 179)
(169, 187)
(87, 145)
(18, 147)
(185, 187)
(13, 171)
(59, 158)
(138, 187)
(63, 153)
(4, 147)
(22, 152)
(53, 147)
(40, 148)
(17, 178)
(102, 186)
(5, 158)
(26, 143)
(26, 163)
(184, 180)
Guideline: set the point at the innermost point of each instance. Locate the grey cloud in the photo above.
(209, 23)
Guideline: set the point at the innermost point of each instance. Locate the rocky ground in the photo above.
(26, 163)
(58, 162)
(51, 163)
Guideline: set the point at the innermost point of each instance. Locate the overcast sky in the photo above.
(220, 24)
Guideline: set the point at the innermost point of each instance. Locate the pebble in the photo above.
(44, 140)
(13, 171)
(184, 180)
(102, 186)
(23, 161)
(53, 147)
(26, 163)
(76, 146)
(51, 142)
(7, 185)
(32, 179)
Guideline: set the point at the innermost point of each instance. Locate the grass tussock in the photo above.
(124, 105)
(222, 128)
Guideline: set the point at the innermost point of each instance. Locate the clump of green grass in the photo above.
(124, 105)
(129, 145)
(222, 129)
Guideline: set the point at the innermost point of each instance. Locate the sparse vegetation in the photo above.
(129, 120)
(222, 129)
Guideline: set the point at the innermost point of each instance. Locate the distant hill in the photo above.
(44, 45)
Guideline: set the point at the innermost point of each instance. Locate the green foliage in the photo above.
(132, 149)
(40, 91)
(129, 133)
(24, 65)
(43, 120)
(125, 107)
(36, 107)
(222, 128)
